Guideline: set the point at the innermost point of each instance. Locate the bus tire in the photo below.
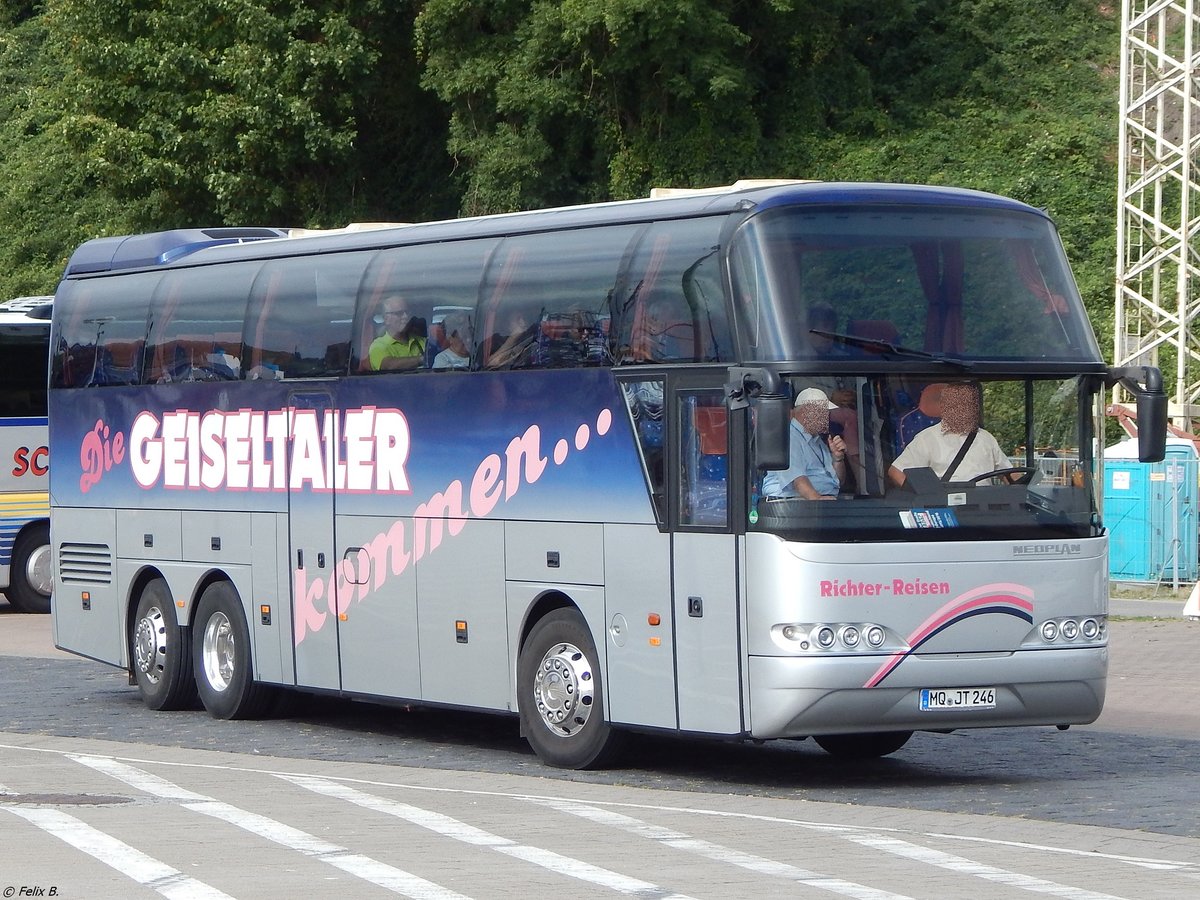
(222, 659)
(30, 574)
(870, 745)
(158, 651)
(559, 695)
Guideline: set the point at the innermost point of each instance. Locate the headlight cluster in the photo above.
(842, 636)
(1074, 631)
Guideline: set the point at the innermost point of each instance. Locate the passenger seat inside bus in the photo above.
(707, 465)
(928, 411)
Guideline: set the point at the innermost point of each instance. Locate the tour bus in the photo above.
(24, 503)
(270, 475)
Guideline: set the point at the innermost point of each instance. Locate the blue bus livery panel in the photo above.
(532, 461)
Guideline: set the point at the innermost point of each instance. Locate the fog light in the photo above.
(875, 636)
(1049, 630)
(850, 636)
(1090, 629)
(791, 632)
(1070, 629)
(824, 637)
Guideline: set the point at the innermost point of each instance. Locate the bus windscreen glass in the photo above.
(965, 284)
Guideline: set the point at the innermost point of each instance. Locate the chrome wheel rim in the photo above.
(150, 645)
(564, 689)
(219, 651)
(37, 570)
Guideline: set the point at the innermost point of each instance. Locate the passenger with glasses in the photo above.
(402, 344)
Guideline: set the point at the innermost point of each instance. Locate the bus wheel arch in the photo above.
(160, 657)
(560, 690)
(30, 574)
(222, 655)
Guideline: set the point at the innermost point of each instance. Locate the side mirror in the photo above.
(1152, 427)
(772, 432)
(772, 411)
(1146, 385)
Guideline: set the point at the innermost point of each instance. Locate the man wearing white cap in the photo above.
(817, 460)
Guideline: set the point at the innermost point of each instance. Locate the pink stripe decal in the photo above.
(1018, 598)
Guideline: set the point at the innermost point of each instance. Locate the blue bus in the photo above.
(547, 465)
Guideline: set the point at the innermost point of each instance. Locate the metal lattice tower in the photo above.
(1158, 219)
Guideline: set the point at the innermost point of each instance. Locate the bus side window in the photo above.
(704, 464)
(102, 331)
(662, 331)
(645, 402)
(195, 330)
(434, 280)
(368, 327)
(299, 321)
(546, 298)
(670, 306)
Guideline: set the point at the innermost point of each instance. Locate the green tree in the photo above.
(557, 102)
(240, 111)
(48, 203)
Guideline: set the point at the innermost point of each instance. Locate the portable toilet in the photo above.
(1150, 511)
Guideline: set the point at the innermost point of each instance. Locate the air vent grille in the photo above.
(84, 563)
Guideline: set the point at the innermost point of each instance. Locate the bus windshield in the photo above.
(897, 283)
(901, 477)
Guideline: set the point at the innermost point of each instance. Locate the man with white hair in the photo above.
(817, 460)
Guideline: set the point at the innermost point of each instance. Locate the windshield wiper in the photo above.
(889, 347)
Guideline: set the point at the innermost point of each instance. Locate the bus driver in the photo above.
(941, 445)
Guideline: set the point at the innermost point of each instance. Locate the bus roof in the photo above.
(204, 245)
(157, 248)
(26, 310)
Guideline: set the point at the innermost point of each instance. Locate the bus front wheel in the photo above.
(29, 575)
(162, 662)
(221, 657)
(863, 746)
(559, 695)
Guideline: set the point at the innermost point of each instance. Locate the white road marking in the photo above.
(461, 831)
(364, 867)
(719, 853)
(969, 867)
(1145, 862)
(1187, 868)
(129, 861)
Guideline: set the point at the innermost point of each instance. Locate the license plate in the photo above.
(958, 698)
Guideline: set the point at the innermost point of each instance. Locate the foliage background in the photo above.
(136, 115)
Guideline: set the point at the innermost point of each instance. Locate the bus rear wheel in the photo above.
(870, 745)
(559, 695)
(30, 574)
(162, 662)
(221, 657)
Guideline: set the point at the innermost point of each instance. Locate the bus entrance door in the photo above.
(311, 540)
(707, 633)
(704, 565)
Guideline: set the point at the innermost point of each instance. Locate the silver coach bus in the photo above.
(550, 464)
